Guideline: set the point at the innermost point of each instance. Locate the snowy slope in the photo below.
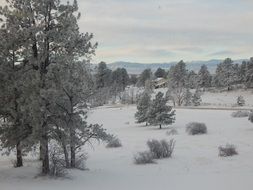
(195, 164)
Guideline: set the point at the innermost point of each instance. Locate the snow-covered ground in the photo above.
(195, 164)
(226, 99)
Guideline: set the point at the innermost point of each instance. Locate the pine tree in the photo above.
(188, 98)
(48, 31)
(226, 74)
(103, 76)
(15, 127)
(159, 112)
(178, 75)
(145, 75)
(160, 73)
(249, 74)
(204, 77)
(196, 98)
(143, 105)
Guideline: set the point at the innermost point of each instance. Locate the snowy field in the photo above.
(226, 99)
(195, 164)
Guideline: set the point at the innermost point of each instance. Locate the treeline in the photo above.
(45, 89)
(226, 75)
(110, 84)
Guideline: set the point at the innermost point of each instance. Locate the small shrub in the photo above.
(113, 142)
(195, 128)
(161, 149)
(172, 132)
(240, 101)
(57, 163)
(228, 150)
(81, 162)
(251, 116)
(144, 158)
(240, 114)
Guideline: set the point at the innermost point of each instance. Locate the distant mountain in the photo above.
(137, 68)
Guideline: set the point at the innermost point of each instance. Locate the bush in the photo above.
(161, 149)
(251, 117)
(81, 162)
(240, 101)
(144, 158)
(172, 132)
(57, 163)
(195, 128)
(113, 142)
(240, 114)
(228, 150)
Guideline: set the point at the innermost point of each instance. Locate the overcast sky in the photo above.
(169, 30)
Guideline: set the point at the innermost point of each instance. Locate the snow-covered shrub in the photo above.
(81, 162)
(172, 132)
(196, 128)
(228, 150)
(113, 142)
(161, 149)
(145, 157)
(240, 113)
(57, 163)
(14, 163)
(251, 116)
(240, 101)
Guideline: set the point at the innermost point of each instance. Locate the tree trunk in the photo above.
(160, 126)
(66, 155)
(19, 155)
(45, 152)
(72, 148)
(73, 157)
(41, 154)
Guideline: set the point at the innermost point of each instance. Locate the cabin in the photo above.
(160, 83)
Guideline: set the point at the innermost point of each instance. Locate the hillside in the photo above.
(137, 68)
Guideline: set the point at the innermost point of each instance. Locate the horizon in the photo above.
(169, 62)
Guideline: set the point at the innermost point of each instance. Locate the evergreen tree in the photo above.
(226, 74)
(192, 80)
(49, 31)
(178, 82)
(103, 76)
(196, 98)
(188, 97)
(204, 77)
(242, 72)
(178, 75)
(133, 80)
(14, 93)
(249, 74)
(121, 78)
(160, 73)
(159, 112)
(145, 75)
(143, 105)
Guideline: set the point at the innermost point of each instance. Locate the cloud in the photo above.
(162, 30)
(222, 53)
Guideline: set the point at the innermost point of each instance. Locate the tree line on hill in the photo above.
(180, 80)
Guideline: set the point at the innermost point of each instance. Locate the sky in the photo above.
(151, 31)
